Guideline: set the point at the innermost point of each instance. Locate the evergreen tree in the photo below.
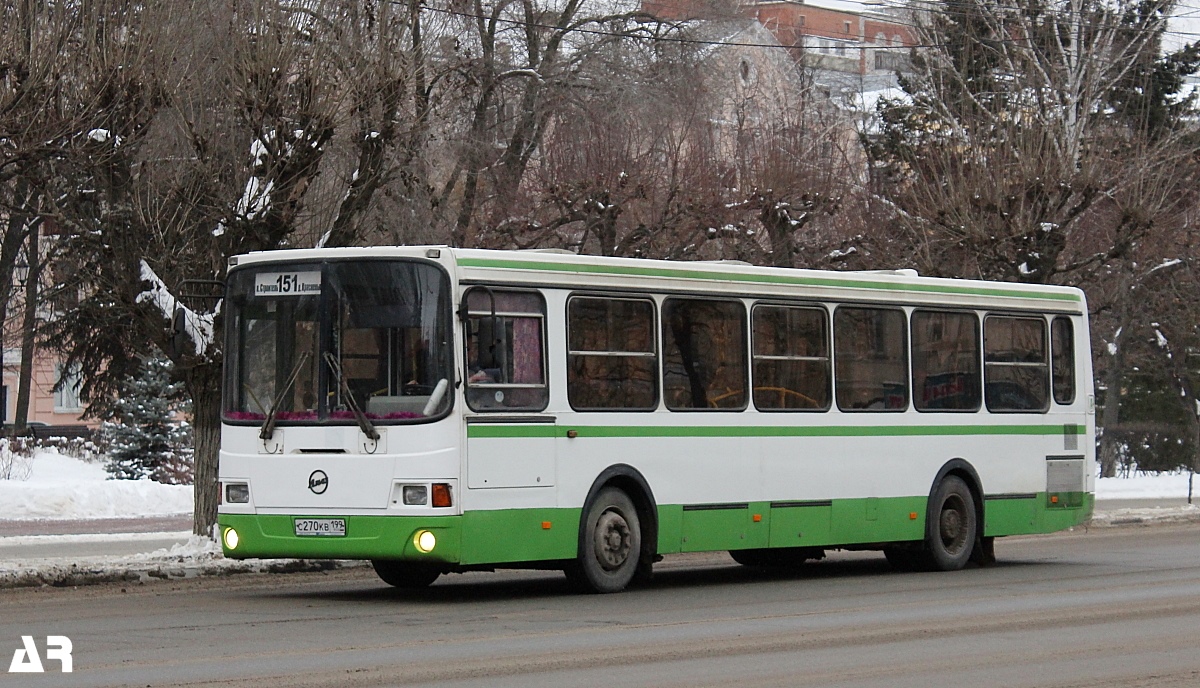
(144, 441)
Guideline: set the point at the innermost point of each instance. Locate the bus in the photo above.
(436, 410)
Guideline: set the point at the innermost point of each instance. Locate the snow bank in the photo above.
(1160, 486)
(197, 556)
(61, 487)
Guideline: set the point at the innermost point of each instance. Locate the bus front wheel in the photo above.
(610, 544)
(403, 574)
(950, 534)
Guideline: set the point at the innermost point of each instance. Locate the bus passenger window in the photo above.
(611, 357)
(945, 361)
(791, 358)
(1062, 356)
(506, 360)
(871, 361)
(704, 354)
(1015, 370)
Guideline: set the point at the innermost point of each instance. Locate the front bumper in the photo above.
(367, 537)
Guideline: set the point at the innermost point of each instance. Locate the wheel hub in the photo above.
(612, 541)
(952, 526)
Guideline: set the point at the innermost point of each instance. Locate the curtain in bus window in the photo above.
(611, 362)
(871, 369)
(506, 362)
(1062, 348)
(1016, 374)
(704, 354)
(791, 358)
(945, 361)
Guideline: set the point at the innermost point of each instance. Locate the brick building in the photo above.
(830, 36)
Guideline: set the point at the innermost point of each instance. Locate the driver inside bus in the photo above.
(477, 373)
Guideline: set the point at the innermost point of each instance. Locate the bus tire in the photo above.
(404, 574)
(951, 530)
(610, 544)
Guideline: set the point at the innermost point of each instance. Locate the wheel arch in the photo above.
(962, 469)
(629, 480)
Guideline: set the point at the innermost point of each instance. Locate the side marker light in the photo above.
(912, 515)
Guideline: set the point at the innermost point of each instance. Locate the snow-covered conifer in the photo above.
(144, 436)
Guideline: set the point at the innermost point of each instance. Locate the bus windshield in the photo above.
(332, 342)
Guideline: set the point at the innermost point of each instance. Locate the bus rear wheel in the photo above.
(950, 534)
(610, 544)
(405, 574)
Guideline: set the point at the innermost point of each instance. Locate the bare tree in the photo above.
(997, 156)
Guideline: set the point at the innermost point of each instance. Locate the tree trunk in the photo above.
(28, 330)
(204, 385)
(16, 229)
(1111, 416)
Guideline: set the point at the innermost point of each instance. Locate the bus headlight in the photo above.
(424, 541)
(416, 495)
(231, 538)
(237, 493)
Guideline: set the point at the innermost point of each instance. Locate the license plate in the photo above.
(327, 527)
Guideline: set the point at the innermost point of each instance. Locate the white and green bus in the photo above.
(438, 410)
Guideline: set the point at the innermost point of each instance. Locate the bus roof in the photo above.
(561, 269)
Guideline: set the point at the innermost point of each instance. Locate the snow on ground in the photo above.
(192, 556)
(61, 487)
(1145, 486)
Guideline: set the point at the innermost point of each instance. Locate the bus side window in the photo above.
(611, 359)
(704, 354)
(506, 355)
(945, 361)
(870, 359)
(791, 358)
(1062, 357)
(1015, 367)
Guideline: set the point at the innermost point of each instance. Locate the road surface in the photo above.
(1115, 607)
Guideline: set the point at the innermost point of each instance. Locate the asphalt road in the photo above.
(1110, 607)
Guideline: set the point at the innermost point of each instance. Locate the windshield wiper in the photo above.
(268, 427)
(363, 422)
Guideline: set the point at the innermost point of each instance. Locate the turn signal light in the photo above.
(441, 495)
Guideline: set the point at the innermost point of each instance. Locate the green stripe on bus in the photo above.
(541, 534)
(480, 431)
(687, 273)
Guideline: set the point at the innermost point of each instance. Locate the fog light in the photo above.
(237, 493)
(424, 541)
(416, 495)
(231, 538)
